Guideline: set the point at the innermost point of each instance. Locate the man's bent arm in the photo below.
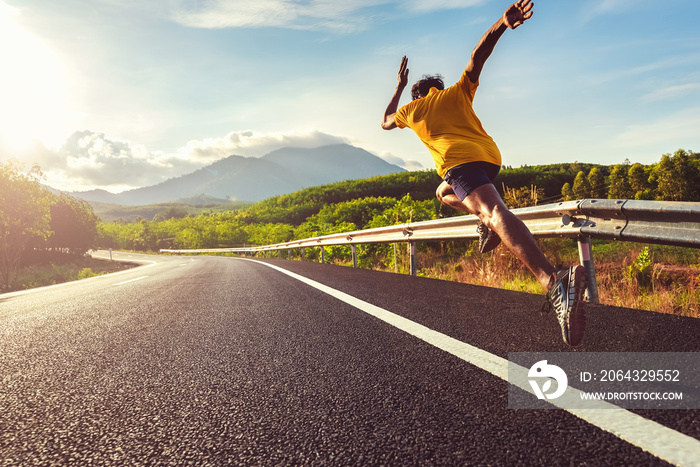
(483, 50)
(513, 17)
(389, 123)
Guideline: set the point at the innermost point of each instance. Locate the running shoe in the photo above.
(566, 299)
(488, 239)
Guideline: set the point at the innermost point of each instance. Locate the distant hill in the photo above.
(253, 179)
(117, 213)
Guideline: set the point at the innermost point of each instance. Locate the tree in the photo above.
(24, 215)
(619, 186)
(677, 176)
(638, 178)
(596, 180)
(73, 225)
(405, 210)
(567, 192)
(582, 188)
(172, 212)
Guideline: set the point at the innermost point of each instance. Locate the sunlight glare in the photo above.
(32, 85)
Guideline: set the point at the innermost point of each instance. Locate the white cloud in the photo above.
(90, 160)
(671, 92)
(403, 163)
(432, 5)
(293, 14)
(333, 15)
(250, 144)
(595, 8)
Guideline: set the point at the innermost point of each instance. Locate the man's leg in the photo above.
(487, 205)
(565, 290)
(488, 239)
(447, 196)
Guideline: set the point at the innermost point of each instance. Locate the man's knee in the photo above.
(443, 190)
(438, 194)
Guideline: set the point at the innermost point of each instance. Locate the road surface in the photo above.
(212, 360)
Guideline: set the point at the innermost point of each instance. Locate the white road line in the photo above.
(132, 280)
(650, 436)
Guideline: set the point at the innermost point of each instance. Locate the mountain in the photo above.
(329, 164)
(253, 179)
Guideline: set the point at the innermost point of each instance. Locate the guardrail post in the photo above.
(412, 249)
(303, 254)
(354, 256)
(323, 255)
(585, 253)
(396, 260)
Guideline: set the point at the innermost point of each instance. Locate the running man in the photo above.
(468, 160)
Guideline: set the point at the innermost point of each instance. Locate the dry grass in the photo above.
(662, 287)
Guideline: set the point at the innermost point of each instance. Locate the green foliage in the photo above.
(548, 178)
(296, 208)
(369, 203)
(567, 193)
(596, 181)
(581, 187)
(269, 234)
(85, 273)
(357, 211)
(403, 211)
(73, 225)
(619, 187)
(677, 176)
(24, 215)
(52, 267)
(32, 219)
(641, 270)
(171, 212)
(638, 178)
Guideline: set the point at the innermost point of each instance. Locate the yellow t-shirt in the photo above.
(446, 123)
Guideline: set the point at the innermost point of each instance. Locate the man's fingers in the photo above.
(404, 64)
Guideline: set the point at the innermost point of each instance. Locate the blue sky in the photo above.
(125, 93)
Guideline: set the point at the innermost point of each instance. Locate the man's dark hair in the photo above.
(422, 87)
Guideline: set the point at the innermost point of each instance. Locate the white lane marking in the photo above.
(131, 280)
(652, 437)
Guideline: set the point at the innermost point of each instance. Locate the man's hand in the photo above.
(517, 13)
(389, 123)
(403, 72)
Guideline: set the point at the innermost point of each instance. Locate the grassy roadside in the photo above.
(646, 277)
(55, 268)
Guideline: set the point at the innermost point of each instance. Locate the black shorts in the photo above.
(468, 177)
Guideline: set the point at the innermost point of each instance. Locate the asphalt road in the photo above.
(214, 361)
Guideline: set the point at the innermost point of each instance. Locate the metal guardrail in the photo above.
(658, 222)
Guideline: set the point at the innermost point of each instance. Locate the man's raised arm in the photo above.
(389, 123)
(514, 16)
